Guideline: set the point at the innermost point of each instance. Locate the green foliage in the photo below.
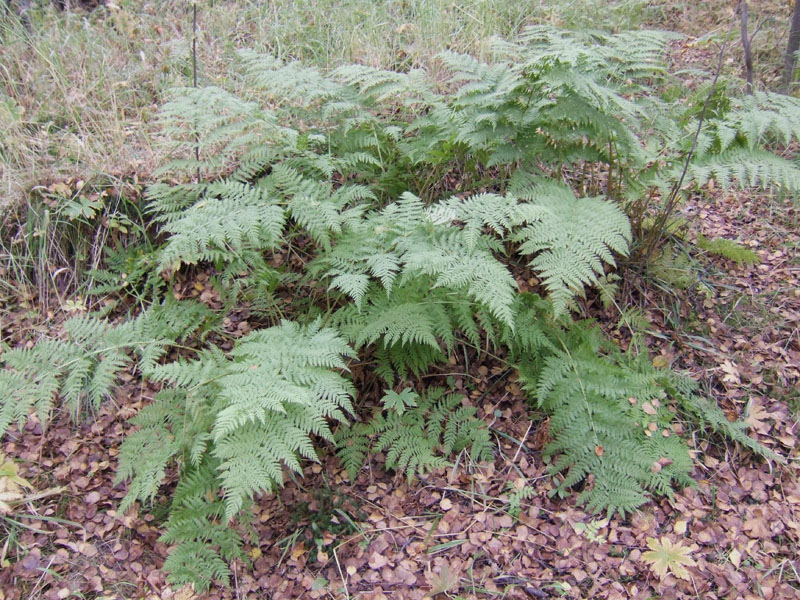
(609, 419)
(204, 542)
(516, 497)
(233, 424)
(728, 249)
(253, 412)
(343, 187)
(417, 433)
(129, 271)
(571, 239)
(397, 402)
(83, 367)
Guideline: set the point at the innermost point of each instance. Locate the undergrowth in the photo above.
(554, 140)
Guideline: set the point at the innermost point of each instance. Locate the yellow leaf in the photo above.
(61, 189)
(735, 557)
(731, 371)
(660, 362)
(665, 556)
(298, 551)
(9, 479)
(5, 499)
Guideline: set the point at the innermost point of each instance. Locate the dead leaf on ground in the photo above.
(664, 557)
(731, 371)
(757, 416)
(445, 580)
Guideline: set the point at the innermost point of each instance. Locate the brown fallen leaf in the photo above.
(757, 527)
(757, 416)
(444, 581)
(377, 561)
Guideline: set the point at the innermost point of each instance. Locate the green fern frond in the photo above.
(231, 217)
(279, 387)
(84, 367)
(748, 167)
(204, 543)
(419, 438)
(571, 239)
(728, 249)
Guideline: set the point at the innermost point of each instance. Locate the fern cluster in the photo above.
(346, 173)
(233, 423)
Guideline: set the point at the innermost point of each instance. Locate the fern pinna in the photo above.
(417, 433)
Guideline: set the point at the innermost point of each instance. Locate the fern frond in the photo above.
(571, 239)
(229, 218)
(419, 438)
(84, 367)
(263, 403)
(748, 167)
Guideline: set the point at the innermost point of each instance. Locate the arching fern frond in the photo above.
(571, 238)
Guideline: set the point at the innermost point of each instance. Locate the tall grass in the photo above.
(78, 91)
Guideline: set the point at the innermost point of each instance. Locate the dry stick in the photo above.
(748, 57)
(194, 83)
(522, 442)
(341, 574)
(672, 199)
(792, 47)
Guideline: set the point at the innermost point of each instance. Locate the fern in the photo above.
(214, 125)
(571, 237)
(728, 249)
(347, 174)
(609, 420)
(83, 368)
(417, 438)
(228, 218)
(252, 413)
(516, 497)
(204, 543)
(748, 167)
(129, 271)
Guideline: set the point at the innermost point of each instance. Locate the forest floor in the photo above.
(734, 328)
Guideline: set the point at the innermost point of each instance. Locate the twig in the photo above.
(521, 442)
(194, 83)
(748, 57)
(672, 199)
(341, 574)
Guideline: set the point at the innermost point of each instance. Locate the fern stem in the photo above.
(194, 83)
(659, 227)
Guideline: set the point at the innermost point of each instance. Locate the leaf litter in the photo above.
(734, 535)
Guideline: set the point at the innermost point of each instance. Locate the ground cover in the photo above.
(462, 531)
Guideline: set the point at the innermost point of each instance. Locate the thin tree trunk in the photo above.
(791, 50)
(748, 57)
